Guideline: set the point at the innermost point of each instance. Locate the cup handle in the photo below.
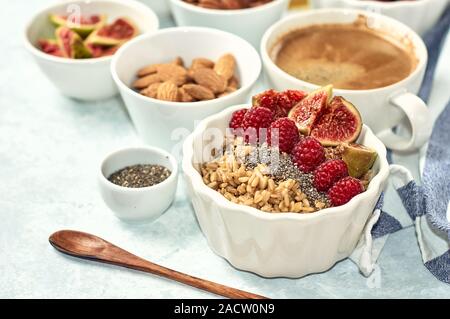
(419, 117)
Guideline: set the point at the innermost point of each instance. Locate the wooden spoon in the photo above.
(88, 246)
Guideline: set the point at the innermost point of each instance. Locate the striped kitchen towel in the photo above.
(427, 205)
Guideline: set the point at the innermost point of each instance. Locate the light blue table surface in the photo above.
(50, 149)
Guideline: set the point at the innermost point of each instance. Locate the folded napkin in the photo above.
(428, 205)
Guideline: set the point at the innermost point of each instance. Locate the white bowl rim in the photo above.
(297, 16)
(388, 4)
(129, 3)
(221, 12)
(147, 37)
(150, 149)
(216, 197)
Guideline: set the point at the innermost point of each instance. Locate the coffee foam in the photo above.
(350, 56)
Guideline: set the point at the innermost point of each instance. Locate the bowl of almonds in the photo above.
(246, 18)
(175, 77)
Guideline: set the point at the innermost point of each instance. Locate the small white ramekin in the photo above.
(419, 15)
(166, 124)
(138, 204)
(84, 79)
(282, 244)
(249, 24)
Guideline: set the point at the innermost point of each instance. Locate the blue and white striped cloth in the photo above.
(428, 205)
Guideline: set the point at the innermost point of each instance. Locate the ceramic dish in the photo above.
(161, 7)
(381, 108)
(138, 204)
(282, 244)
(250, 24)
(88, 79)
(166, 124)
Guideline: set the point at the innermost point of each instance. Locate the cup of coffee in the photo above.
(372, 60)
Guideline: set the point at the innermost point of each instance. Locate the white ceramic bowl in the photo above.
(282, 244)
(419, 15)
(88, 79)
(161, 7)
(167, 124)
(381, 108)
(250, 24)
(138, 204)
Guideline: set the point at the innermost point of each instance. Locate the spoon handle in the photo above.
(102, 251)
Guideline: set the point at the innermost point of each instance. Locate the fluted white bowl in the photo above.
(282, 244)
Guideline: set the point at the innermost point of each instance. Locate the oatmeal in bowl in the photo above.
(278, 188)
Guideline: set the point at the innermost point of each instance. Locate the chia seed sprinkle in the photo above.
(138, 176)
(281, 168)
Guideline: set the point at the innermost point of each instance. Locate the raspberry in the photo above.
(289, 98)
(279, 102)
(257, 118)
(344, 190)
(236, 118)
(329, 173)
(287, 134)
(308, 154)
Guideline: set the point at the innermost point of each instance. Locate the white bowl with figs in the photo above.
(64, 38)
(288, 221)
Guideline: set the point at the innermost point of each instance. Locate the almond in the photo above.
(167, 91)
(210, 4)
(185, 96)
(200, 63)
(178, 61)
(210, 79)
(199, 92)
(146, 81)
(146, 70)
(151, 90)
(177, 74)
(231, 4)
(233, 82)
(225, 66)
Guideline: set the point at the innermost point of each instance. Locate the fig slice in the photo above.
(309, 109)
(359, 158)
(339, 123)
(83, 26)
(117, 33)
(50, 46)
(99, 51)
(71, 44)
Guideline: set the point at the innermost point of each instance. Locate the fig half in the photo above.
(50, 46)
(113, 34)
(71, 44)
(99, 51)
(339, 123)
(359, 159)
(83, 25)
(309, 109)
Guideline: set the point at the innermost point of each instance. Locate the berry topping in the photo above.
(328, 173)
(256, 118)
(284, 133)
(308, 154)
(279, 102)
(344, 190)
(236, 118)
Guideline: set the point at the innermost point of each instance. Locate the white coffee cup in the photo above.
(382, 108)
